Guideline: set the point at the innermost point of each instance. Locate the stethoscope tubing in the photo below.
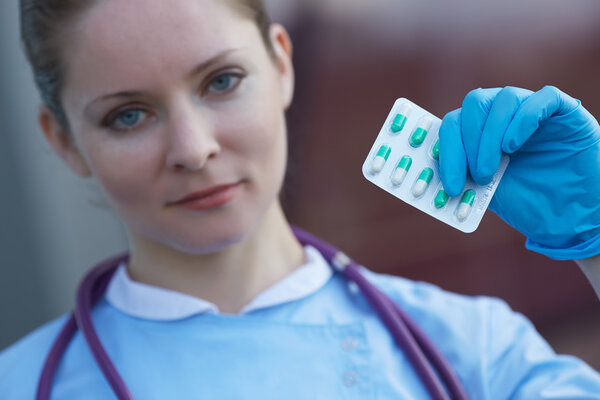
(422, 353)
(90, 290)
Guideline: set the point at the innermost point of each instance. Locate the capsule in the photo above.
(441, 198)
(466, 203)
(400, 119)
(435, 151)
(380, 158)
(419, 135)
(401, 170)
(422, 182)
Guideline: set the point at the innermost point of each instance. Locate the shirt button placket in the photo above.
(349, 343)
(350, 378)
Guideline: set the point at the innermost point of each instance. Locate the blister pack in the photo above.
(404, 161)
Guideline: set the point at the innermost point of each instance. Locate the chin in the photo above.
(212, 240)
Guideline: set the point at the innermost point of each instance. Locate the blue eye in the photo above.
(127, 119)
(224, 82)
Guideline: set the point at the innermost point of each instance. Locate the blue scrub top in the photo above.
(327, 345)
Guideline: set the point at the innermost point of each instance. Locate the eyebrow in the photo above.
(198, 69)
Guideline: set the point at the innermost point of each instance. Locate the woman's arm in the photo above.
(591, 269)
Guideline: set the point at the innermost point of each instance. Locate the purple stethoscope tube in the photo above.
(427, 360)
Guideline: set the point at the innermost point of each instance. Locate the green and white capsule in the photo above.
(401, 170)
(441, 198)
(435, 151)
(420, 133)
(380, 159)
(422, 182)
(466, 203)
(400, 118)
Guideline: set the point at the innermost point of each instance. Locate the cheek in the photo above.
(262, 139)
(260, 127)
(124, 171)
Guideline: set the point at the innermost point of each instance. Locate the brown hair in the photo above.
(43, 33)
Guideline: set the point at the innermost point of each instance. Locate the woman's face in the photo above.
(167, 98)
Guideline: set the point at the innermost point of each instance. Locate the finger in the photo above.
(501, 114)
(453, 160)
(538, 107)
(476, 107)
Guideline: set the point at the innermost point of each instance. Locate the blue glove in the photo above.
(550, 191)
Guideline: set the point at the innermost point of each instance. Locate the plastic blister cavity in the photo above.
(404, 161)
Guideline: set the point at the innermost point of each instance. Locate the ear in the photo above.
(282, 46)
(62, 142)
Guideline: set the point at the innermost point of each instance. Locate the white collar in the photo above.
(155, 303)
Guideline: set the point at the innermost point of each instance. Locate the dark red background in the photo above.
(347, 83)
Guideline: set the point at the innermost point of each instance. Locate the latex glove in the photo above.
(550, 191)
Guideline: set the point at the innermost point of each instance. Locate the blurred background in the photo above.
(353, 59)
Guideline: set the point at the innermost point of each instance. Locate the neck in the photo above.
(229, 278)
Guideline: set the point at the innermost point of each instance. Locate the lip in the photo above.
(211, 197)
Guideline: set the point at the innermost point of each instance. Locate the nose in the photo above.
(192, 139)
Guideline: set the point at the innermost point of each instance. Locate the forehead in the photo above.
(123, 40)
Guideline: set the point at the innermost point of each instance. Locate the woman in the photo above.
(177, 108)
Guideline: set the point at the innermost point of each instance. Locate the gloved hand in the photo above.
(550, 191)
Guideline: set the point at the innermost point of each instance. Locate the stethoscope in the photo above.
(428, 361)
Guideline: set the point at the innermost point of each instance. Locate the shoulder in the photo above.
(455, 321)
(21, 363)
(428, 298)
(495, 349)
(486, 322)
